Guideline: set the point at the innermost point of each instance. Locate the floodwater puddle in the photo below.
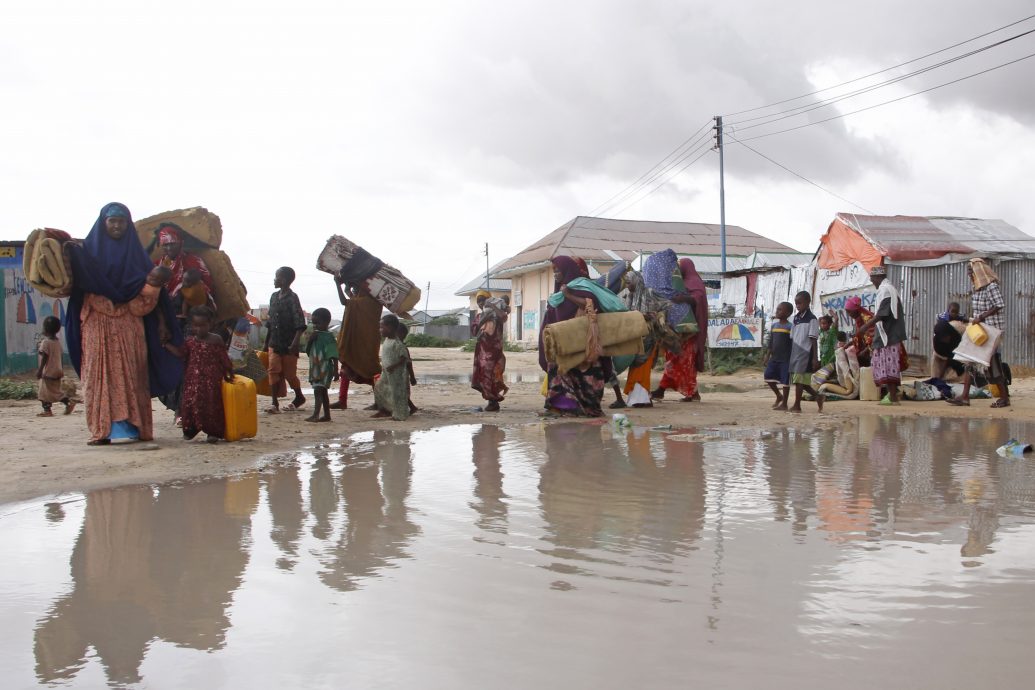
(509, 377)
(885, 551)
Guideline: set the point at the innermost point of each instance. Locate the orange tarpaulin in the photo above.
(842, 246)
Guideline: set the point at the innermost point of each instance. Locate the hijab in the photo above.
(117, 269)
(658, 271)
(613, 280)
(691, 278)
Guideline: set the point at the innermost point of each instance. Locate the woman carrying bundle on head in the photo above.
(681, 365)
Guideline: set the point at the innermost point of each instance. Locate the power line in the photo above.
(800, 176)
(893, 100)
(640, 182)
(886, 69)
(802, 109)
(706, 147)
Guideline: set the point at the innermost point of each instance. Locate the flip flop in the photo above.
(273, 410)
(1001, 402)
(958, 403)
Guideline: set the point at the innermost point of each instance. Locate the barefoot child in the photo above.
(412, 378)
(283, 335)
(322, 350)
(50, 372)
(804, 351)
(390, 392)
(778, 355)
(206, 366)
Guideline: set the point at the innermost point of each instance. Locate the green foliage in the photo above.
(422, 340)
(17, 390)
(508, 346)
(448, 320)
(726, 361)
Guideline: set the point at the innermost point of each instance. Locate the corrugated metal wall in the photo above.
(927, 290)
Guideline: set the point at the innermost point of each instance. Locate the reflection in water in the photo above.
(860, 543)
(374, 483)
(601, 498)
(148, 566)
(488, 479)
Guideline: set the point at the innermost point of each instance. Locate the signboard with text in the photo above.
(741, 331)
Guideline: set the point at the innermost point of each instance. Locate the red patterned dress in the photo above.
(206, 365)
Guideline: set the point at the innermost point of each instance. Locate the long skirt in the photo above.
(489, 365)
(886, 364)
(577, 391)
(641, 374)
(681, 369)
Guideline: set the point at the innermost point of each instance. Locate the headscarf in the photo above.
(641, 298)
(117, 269)
(568, 268)
(658, 271)
(887, 291)
(169, 234)
(853, 303)
(982, 274)
(695, 286)
(482, 293)
(583, 267)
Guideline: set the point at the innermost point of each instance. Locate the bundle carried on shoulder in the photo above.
(201, 227)
(969, 351)
(202, 234)
(620, 333)
(357, 266)
(45, 264)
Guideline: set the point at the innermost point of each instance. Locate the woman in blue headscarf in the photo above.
(115, 325)
(679, 283)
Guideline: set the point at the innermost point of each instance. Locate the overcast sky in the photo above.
(421, 130)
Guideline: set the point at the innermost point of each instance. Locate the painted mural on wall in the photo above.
(24, 309)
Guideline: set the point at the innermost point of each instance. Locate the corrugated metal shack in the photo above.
(926, 259)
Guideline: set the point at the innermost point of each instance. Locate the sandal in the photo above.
(273, 410)
(99, 442)
(958, 402)
(617, 405)
(1001, 402)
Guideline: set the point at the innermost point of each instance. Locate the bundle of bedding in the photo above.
(45, 264)
(359, 267)
(619, 333)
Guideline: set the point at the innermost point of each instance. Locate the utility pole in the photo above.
(487, 266)
(722, 190)
(427, 298)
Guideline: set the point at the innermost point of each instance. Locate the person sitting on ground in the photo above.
(283, 338)
(987, 306)
(948, 333)
(207, 365)
(804, 357)
(391, 390)
(50, 372)
(322, 351)
(778, 354)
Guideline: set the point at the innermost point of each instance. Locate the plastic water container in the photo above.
(263, 387)
(240, 409)
(868, 390)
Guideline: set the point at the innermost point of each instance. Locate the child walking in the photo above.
(778, 354)
(283, 335)
(804, 351)
(322, 350)
(206, 366)
(828, 337)
(391, 393)
(50, 372)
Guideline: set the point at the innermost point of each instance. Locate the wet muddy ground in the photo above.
(890, 552)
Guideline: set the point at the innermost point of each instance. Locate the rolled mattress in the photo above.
(387, 284)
